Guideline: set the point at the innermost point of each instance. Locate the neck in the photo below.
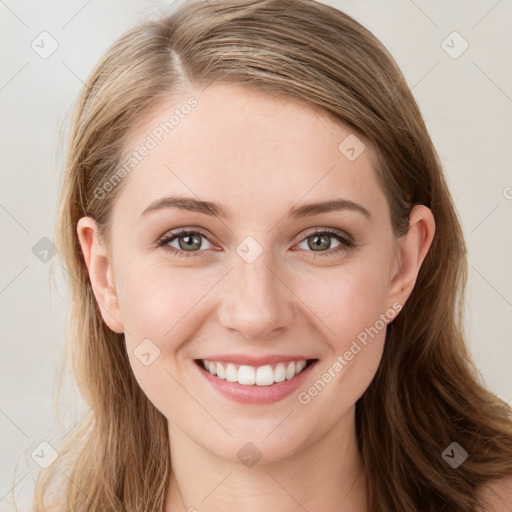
(326, 475)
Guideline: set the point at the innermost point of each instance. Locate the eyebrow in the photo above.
(216, 210)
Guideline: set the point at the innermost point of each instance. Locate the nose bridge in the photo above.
(255, 301)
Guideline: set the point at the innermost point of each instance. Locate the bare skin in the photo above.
(258, 157)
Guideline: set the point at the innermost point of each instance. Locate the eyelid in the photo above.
(333, 231)
(173, 234)
(347, 241)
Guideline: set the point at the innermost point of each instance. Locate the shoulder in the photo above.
(496, 496)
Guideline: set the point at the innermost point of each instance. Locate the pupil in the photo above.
(189, 243)
(318, 241)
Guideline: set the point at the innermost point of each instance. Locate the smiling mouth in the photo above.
(265, 375)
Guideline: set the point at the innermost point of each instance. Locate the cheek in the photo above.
(156, 299)
(165, 306)
(162, 303)
(160, 308)
(347, 299)
(352, 307)
(168, 306)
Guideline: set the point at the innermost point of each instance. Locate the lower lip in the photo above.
(256, 395)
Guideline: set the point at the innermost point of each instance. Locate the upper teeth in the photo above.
(249, 375)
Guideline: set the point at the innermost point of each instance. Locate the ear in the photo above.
(100, 273)
(411, 251)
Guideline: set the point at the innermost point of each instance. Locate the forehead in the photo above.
(246, 148)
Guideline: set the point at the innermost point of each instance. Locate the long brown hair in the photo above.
(426, 393)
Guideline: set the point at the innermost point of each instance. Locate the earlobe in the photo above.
(100, 273)
(411, 251)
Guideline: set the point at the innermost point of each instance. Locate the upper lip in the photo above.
(255, 360)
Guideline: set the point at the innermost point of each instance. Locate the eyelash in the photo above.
(345, 242)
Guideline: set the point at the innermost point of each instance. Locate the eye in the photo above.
(190, 242)
(187, 242)
(320, 241)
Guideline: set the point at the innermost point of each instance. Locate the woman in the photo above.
(267, 272)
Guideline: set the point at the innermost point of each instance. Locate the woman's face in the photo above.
(254, 287)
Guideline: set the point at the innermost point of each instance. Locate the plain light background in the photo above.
(465, 97)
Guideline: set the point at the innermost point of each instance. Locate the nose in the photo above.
(256, 300)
